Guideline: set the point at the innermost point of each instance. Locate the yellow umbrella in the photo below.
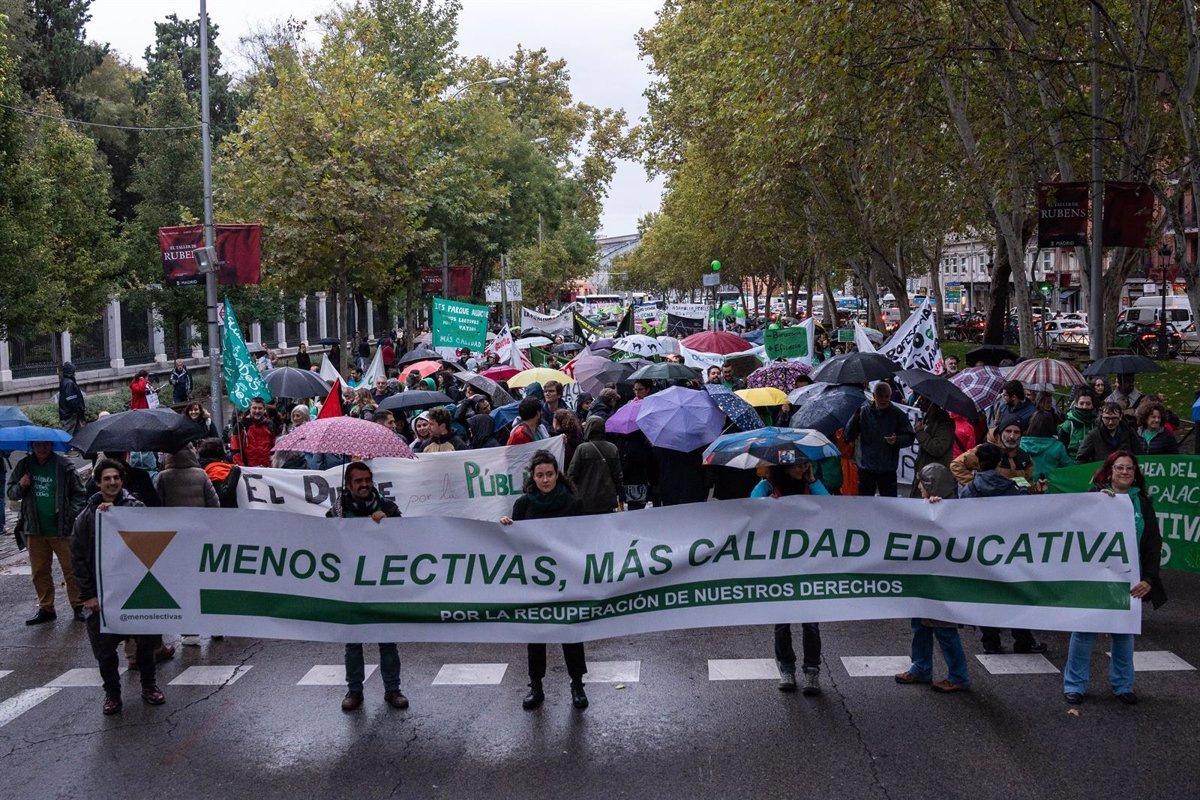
(766, 396)
(539, 375)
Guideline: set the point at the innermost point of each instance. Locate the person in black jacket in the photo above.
(1152, 430)
(135, 480)
(360, 498)
(109, 476)
(884, 431)
(72, 405)
(548, 494)
(303, 359)
(1121, 475)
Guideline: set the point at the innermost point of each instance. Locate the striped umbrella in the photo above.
(1047, 371)
(983, 385)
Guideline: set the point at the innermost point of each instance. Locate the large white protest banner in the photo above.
(476, 484)
(915, 344)
(559, 322)
(1054, 563)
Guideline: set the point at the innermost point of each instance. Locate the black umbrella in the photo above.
(151, 429)
(413, 400)
(529, 332)
(329, 340)
(1121, 365)
(566, 348)
(829, 408)
(991, 355)
(419, 354)
(855, 368)
(939, 391)
(498, 396)
(292, 382)
(666, 371)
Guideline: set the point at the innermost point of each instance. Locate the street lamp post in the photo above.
(503, 80)
(210, 278)
(1164, 253)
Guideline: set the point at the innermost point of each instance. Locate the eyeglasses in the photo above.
(1124, 468)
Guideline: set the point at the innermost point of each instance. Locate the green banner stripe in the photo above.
(1102, 595)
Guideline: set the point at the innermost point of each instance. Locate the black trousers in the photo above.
(104, 648)
(572, 654)
(1022, 638)
(870, 481)
(810, 641)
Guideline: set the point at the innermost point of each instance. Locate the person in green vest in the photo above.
(1047, 452)
(1081, 419)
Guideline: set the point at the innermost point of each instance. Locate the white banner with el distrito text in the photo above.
(1053, 563)
(477, 484)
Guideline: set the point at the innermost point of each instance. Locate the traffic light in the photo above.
(1044, 288)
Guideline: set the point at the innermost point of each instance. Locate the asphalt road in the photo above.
(665, 731)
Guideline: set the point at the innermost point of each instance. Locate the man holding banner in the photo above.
(360, 498)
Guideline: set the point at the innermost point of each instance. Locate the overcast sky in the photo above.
(596, 39)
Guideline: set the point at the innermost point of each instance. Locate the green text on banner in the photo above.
(1053, 563)
(458, 324)
(1174, 486)
(786, 342)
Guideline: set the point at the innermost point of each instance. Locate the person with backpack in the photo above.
(595, 470)
(223, 474)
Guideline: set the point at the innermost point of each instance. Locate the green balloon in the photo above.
(716, 266)
(774, 326)
(727, 310)
(741, 313)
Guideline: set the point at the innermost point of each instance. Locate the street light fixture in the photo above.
(503, 80)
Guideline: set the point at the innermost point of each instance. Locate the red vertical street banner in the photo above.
(1128, 214)
(1062, 215)
(460, 281)
(239, 249)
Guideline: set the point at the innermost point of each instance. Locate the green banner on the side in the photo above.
(1174, 486)
(458, 324)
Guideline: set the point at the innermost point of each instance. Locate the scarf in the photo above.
(555, 500)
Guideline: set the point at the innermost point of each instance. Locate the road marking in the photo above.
(4, 673)
(1017, 664)
(614, 671)
(331, 675)
(209, 676)
(19, 569)
(21, 702)
(742, 669)
(1156, 661)
(470, 675)
(875, 666)
(79, 678)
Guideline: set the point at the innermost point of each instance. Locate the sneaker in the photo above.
(112, 705)
(153, 696)
(787, 680)
(1074, 698)
(42, 616)
(395, 698)
(812, 682)
(1128, 698)
(352, 701)
(190, 640)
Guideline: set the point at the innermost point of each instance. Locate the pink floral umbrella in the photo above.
(345, 436)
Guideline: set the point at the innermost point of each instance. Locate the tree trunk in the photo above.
(829, 310)
(997, 322)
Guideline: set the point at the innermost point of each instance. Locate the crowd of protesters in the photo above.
(1007, 451)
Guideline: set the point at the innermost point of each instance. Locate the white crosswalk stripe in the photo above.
(5, 673)
(470, 675)
(742, 669)
(21, 702)
(614, 671)
(875, 666)
(1016, 664)
(77, 678)
(331, 675)
(1157, 661)
(215, 675)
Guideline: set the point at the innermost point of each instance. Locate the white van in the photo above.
(1148, 309)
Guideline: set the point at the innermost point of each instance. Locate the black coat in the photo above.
(83, 542)
(870, 425)
(524, 508)
(71, 402)
(681, 477)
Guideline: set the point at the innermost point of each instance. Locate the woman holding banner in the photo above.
(1120, 475)
(548, 494)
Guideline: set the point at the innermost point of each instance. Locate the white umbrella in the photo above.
(533, 341)
(670, 344)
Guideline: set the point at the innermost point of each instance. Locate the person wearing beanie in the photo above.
(1014, 462)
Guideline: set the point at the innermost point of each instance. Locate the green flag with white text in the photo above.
(242, 381)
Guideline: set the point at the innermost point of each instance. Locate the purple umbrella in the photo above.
(680, 419)
(624, 419)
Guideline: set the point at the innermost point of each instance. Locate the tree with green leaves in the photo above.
(177, 47)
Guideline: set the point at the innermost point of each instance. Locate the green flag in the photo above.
(537, 357)
(242, 381)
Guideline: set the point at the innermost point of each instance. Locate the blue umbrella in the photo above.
(738, 410)
(12, 417)
(504, 415)
(19, 438)
(828, 408)
(680, 419)
(769, 446)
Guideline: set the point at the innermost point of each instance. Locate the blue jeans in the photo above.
(952, 650)
(389, 666)
(1079, 663)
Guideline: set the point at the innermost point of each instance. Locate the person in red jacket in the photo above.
(139, 387)
(254, 436)
(526, 430)
(389, 357)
